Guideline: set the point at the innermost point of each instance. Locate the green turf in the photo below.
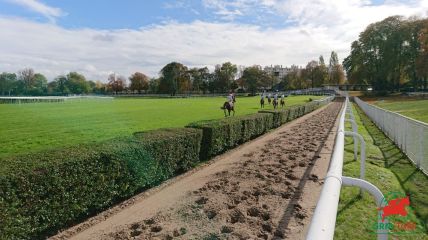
(389, 170)
(38, 126)
(416, 109)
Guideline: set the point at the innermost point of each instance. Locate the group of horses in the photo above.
(231, 107)
(274, 102)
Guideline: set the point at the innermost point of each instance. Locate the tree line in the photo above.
(391, 55)
(176, 78)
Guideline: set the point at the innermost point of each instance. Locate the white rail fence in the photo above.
(324, 219)
(410, 135)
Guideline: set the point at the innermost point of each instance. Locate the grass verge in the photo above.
(388, 169)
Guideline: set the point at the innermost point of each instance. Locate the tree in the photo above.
(199, 79)
(77, 83)
(154, 85)
(389, 55)
(7, 83)
(171, 76)
(421, 63)
(99, 88)
(40, 85)
(310, 70)
(322, 72)
(60, 85)
(251, 77)
(224, 75)
(26, 76)
(116, 83)
(139, 82)
(294, 79)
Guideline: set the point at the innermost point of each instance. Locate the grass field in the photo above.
(416, 109)
(388, 169)
(32, 127)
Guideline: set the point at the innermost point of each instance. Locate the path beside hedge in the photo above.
(265, 188)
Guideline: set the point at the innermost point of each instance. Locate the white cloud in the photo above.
(36, 6)
(319, 26)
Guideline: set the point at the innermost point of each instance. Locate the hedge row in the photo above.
(41, 193)
(221, 135)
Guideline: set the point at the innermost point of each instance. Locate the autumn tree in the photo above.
(116, 83)
(139, 82)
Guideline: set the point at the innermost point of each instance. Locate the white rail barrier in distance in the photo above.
(410, 135)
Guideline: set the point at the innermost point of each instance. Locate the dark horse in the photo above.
(275, 103)
(228, 107)
(269, 100)
(282, 103)
(262, 103)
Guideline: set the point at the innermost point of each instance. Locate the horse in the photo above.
(275, 103)
(282, 103)
(269, 100)
(229, 108)
(262, 103)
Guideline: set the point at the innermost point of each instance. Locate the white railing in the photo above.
(410, 135)
(324, 218)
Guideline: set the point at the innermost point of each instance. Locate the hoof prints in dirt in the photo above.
(249, 199)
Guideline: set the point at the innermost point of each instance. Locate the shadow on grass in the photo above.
(349, 204)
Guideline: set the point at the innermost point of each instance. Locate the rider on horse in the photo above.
(275, 99)
(262, 100)
(282, 100)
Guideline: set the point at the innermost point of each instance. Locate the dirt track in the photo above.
(265, 189)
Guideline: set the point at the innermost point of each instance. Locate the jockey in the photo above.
(230, 99)
(262, 96)
(275, 97)
(282, 97)
(269, 96)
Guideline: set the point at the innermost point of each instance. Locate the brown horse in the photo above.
(229, 108)
(275, 103)
(282, 103)
(262, 103)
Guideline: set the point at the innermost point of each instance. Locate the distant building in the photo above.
(277, 71)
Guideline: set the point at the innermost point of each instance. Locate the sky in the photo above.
(99, 37)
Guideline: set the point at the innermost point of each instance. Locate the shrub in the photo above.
(293, 113)
(279, 116)
(218, 135)
(178, 148)
(221, 135)
(41, 193)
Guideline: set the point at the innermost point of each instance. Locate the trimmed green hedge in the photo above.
(44, 192)
(280, 116)
(178, 148)
(221, 135)
(218, 136)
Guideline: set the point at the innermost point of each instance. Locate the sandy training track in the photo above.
(264, 189)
